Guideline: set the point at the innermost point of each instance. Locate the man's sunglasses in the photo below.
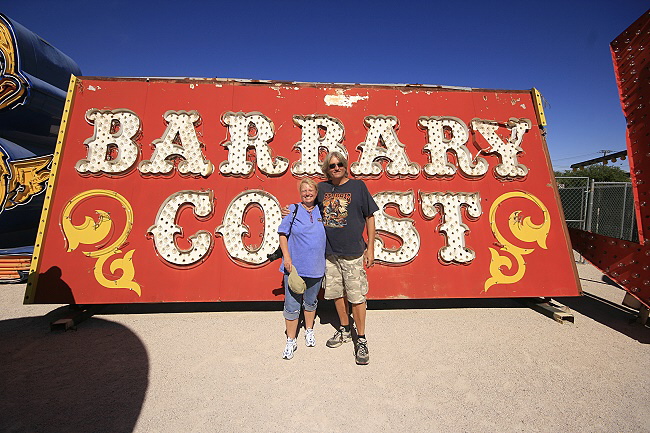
(338, 164)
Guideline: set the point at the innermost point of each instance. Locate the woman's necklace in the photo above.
(308, 208)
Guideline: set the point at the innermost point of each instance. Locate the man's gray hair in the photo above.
(325, 166)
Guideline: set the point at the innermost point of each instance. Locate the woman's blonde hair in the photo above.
(326, 163)
(309, 182)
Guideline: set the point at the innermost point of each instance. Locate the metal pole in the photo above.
(632, 218)
(584, 212)
(584, 199)
(623, 210)
(590, 206)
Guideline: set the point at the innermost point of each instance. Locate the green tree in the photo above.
(597, 172)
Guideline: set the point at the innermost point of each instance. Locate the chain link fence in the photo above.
(613, 211)
(606, 208)
(574, 195)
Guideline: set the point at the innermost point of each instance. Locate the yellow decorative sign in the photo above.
(28, 177)
(4, 180)
(93, 232)
(524, 230)
(13, 85)
(22, 179)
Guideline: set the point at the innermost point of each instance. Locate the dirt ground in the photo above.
(440, 365)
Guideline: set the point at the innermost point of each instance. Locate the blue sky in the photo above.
(560, 47)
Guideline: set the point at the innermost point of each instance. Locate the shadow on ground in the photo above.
(610, 314)
(604, 280)
(326, 312)
(93, 380)
(390, 304)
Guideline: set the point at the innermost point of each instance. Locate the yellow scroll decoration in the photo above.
(524, 230)
(21, 179)
(93, 232)
(5, 173)
(28, 177)
(13, 84)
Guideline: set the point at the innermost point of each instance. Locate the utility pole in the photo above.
(605, 152)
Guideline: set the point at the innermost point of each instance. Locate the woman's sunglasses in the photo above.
(338, 164)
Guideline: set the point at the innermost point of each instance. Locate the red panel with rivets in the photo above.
(627, 263)
(631, 53)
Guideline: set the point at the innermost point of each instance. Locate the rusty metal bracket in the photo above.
(644, 314)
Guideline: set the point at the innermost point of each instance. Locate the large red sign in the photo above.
(171, 190)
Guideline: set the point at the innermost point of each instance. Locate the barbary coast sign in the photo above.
(171, 190)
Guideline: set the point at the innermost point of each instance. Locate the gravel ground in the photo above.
(439, 365)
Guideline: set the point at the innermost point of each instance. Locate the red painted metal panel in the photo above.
(632, 66)
(508, 239)
(628, 263)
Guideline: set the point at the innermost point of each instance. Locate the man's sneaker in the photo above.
(310, 338)
(291, 346)
(361, 354)
(341, 336)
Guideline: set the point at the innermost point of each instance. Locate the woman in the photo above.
(302, 240)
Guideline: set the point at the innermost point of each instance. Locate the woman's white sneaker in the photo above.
(310, 338)
(291, 347)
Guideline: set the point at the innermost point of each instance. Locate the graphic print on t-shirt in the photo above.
(335, 209)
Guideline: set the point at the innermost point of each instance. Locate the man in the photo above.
(347, 207)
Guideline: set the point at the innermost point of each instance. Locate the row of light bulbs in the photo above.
(113, 148)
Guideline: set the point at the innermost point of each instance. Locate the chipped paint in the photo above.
(93, 88)
(398, 297)
(406, 92)
(192, 86)
(278, 89)
(514, 101)
(523, 106)
(342, 100)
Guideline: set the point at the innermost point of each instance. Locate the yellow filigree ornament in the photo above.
(521, 228)
(93, 232)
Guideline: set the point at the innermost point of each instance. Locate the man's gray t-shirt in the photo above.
(344, 209)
